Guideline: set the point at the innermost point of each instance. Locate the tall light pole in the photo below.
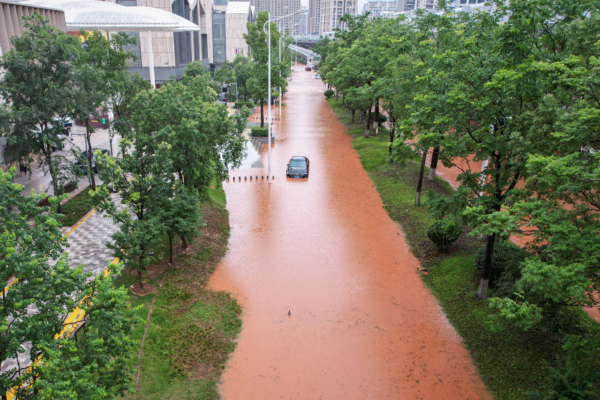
(268, 32)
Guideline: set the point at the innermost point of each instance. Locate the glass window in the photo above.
(297, 163)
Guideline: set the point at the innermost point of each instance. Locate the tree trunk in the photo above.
(353, 111)
(487, 268)
(170, 249)
(368, 123)
(262, 114)
(420, 183)
(48, 151)
(90, 154)
(343, 101)
(184, 243)
(140, 275)
(434, 162)
(376, 119)
(392, 134)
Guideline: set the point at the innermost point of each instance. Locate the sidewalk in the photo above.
(40, 182)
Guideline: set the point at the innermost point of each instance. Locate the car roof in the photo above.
(298, 157)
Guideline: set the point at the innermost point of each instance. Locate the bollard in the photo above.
(262, 177)
(257, 177)
(245, 178)
(234, 178)
(239, 178)
(250, 177)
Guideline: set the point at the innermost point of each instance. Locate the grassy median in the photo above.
(74, 209)
(191, 330)
(511, 362)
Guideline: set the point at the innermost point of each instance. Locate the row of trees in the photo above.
(50, 76)
(176, 143)
(179, 141)
(516, 89)
(251, 74)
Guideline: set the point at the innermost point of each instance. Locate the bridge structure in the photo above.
(308, 53)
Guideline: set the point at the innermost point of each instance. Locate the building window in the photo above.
(196, 35)
(204, 46)
(182, 41)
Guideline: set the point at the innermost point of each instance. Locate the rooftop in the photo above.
(92, 14)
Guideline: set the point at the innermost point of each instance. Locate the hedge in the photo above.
(257, 131)
(240, 104)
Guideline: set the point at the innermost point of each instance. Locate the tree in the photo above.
(242, 67)
(225, 74)
(180, 215)
(101, 76)
(469, 95)
(204, 142)
(143, 179)
(257, 85)
(558, 205)
(41, 295)
(38, 83)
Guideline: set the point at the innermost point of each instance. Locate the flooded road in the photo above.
(362, 324)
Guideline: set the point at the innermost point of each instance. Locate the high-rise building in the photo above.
(280, 8)
(409, 5)
(304, 23)
(378, 7)
(332, 11)
(314, 16)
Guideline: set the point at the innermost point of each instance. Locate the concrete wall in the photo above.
(235, 27)
(11, 25)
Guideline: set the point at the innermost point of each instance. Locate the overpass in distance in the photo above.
(309, 54)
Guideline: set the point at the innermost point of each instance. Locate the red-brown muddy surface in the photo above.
(362, 324)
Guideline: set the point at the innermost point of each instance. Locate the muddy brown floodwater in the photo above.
(362, 324)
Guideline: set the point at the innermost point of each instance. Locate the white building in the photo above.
(378, 7)
(237, 16)
(332, 11)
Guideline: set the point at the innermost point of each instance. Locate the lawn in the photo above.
(191, 330)
(74, 209)
(511, 362)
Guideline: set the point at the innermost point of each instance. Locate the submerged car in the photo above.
(298, 167)
(308, 68)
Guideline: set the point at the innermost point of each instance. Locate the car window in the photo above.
(297, 163)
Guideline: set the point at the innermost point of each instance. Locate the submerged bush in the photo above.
(443, 233)
(382, 118)
(329, 93)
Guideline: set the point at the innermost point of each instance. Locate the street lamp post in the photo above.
(236, 91)
(268, 32)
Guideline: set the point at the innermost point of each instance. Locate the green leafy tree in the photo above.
(38, 83)
(41, 294)
(204, 142)
(225, 74)
(257, 39)
(143, 176)
(180, 216)
(242, 67)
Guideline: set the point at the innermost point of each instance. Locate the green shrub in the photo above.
(257, 131)
(382, 119)
(443, 233)
(505, 261)
(329, 93)
(240, 104)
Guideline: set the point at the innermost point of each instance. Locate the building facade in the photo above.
(280, 8)
(376, 8)
(332, 11)
(172, 51)
(314, 16)
(410, 5)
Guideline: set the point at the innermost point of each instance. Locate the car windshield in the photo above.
(297, 163)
